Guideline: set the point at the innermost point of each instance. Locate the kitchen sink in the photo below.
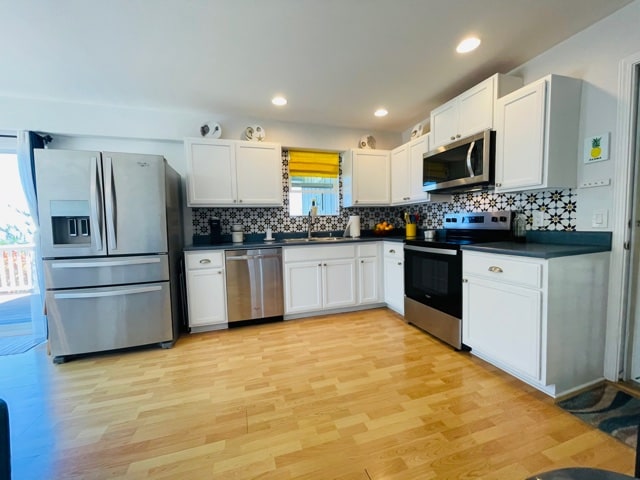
(316, 239)
(328, 239)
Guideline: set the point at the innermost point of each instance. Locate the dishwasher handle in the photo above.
(252, 257)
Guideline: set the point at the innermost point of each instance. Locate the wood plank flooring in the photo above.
(359, 396)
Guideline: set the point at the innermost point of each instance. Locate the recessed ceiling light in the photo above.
(279, 101)
(381, 112)
(468, 45)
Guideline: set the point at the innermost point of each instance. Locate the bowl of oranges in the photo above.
(383, 228)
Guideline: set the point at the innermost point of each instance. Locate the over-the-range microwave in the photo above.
(464, 165)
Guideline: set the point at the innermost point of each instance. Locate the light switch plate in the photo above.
(599, 218)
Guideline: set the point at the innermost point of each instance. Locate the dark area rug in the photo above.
(608, 409)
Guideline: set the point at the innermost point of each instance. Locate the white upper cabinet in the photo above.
(537, 135)
(471, 111)
(366, 177)
(259, 173)
(406, 173)
(233, 173)
(211, 172)
(400, 175)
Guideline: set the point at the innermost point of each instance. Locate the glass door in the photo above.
(22, 323)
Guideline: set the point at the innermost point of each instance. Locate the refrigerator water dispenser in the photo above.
(70, 222)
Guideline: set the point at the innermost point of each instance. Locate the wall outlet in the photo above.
(538, 218)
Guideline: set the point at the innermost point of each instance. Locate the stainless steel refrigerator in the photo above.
(111, 240)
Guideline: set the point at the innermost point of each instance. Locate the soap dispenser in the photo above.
(519, 226)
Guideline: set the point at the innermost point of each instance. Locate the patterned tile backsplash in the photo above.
(558, 207)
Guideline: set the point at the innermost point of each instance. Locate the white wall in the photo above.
(593, 55)
(121, 122)
(160, 132)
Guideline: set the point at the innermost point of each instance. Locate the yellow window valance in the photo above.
(313, 164)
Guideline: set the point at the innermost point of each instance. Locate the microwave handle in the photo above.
(469, 167)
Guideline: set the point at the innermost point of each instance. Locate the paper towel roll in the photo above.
(353, 226)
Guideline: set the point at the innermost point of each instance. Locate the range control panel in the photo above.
(478, 220)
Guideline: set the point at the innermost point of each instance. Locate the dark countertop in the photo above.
(549, 245)
(279, 242)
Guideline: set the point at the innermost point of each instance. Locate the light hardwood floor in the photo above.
(358, 396)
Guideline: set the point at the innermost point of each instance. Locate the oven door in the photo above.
(433, 277)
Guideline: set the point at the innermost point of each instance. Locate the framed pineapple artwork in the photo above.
(596, 149)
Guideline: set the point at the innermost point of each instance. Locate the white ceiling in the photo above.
(335, 60)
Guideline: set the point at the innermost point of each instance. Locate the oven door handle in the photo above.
(437, 251)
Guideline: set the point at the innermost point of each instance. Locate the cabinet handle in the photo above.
(356, 201)
(453, 138)
(234, 200)
(392, 251)
(361, 261)
(498, 184)
(219, 272)
(204, 261)
(495, 269)
(319, 264)
(464, 280)
(399, 263)
(325, 264)
(240, 201)
(458, 135)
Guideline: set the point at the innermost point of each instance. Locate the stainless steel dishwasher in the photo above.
(254, 284)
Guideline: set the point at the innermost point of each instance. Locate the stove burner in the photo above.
(469, 228)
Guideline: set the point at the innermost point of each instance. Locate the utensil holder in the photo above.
(411, 230)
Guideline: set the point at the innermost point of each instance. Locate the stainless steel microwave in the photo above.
(464, 165)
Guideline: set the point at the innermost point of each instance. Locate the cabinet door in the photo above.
(417, 148)
(339, 283)
(475, 109)
(211, 172)
(401, 175)
(444, 123)
(206, 297)
(259, 173)
(303, 287)
(394, 284)
(520, 138)
(503, 323)
(371, 184)
(368, 280)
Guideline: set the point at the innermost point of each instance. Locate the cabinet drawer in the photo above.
(393, 250)
(368, 250)
(318, 252)
(210, 259)
(503, 268)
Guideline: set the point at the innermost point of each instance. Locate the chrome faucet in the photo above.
(310, 226)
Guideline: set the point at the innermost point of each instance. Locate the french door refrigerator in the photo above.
(111, 237)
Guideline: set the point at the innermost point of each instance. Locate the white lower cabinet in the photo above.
(319, 277)
(504, 322)
(369, 273)
(393, 259)
(541, 320)
(206, 295)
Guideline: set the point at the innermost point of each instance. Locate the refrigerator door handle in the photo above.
(111, 293)
(96, 201)
(110, 205)
(113, 263)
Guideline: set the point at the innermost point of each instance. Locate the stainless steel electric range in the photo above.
(433, 271)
